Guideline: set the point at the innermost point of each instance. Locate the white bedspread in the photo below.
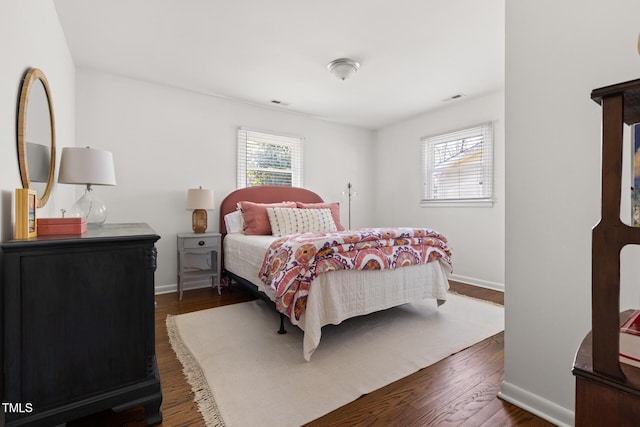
(339, 295)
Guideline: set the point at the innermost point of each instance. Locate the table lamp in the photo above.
(200, 200)
(89, 167)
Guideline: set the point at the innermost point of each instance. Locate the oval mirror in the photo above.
(36, 135)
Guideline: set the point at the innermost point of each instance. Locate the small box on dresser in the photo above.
(630, 340)
(61, 226)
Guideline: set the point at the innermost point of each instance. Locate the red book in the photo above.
(630, 340)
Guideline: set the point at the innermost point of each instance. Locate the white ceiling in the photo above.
(413, 53)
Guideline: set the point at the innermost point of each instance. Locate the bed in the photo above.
(334, 296)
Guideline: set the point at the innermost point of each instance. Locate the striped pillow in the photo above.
(334, 207)
(287, 221)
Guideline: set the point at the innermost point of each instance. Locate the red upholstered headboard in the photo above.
(264, 194)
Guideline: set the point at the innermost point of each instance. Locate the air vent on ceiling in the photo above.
(454, 97)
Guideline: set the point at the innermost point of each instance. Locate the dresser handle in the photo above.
(201, 243)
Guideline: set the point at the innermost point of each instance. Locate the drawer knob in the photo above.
(201, 243)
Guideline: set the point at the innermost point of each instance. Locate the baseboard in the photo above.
(537, 405)
(171, 288)
(166, 289)
(478, 282)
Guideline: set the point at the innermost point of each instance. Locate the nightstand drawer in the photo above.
(201, 242)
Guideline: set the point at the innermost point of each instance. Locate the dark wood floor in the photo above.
(457, 391)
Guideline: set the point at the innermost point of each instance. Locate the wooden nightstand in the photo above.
(199, 258)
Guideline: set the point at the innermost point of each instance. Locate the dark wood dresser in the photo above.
(78, 333)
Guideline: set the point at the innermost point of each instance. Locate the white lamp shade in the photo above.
(199, 198)
(86, 166)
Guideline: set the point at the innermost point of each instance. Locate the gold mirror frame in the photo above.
(33, 76)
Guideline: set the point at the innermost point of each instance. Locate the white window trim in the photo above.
(294, 142)
(488, 167)
(458, 203)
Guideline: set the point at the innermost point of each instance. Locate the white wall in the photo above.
(31, 36)
(556, 53)
(166, 140)
(470, 230)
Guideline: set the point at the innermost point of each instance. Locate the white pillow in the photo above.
(233, 221)
(287, 221)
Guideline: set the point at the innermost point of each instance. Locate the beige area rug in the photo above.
(244, 374)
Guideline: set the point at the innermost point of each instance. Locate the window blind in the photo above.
(268, 159)
(458, 166)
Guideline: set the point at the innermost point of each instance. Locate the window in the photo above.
(458, 166)
(268, 159)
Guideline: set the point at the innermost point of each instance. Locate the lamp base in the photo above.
(89, 206)
(199, 221)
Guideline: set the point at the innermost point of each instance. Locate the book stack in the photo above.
(630, 340)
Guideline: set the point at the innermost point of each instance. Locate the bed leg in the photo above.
(282, 330)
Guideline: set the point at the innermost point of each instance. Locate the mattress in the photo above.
(339, 295)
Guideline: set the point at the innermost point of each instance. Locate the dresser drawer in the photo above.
(201, 242)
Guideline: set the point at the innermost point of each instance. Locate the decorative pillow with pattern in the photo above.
(286, 221)
(334, 207)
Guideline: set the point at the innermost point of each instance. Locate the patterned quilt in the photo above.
(292, 262)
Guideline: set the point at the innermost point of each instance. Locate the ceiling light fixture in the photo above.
(343, 68)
